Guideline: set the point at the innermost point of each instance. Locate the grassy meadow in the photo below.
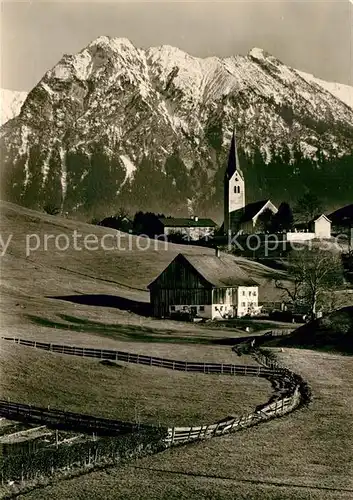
(125, 391)
(97, 299)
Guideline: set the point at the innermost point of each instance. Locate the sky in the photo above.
(313, 36)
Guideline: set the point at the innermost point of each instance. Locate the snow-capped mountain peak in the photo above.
(128, 115)
(10, 103)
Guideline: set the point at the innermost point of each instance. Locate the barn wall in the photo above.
(181, 275)
(163, 298)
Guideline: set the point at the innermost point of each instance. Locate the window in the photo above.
(254, 293)
(221, 308)
(202, 308)
(243, 292)
(172, 308)
(243, 304)
(250, 294)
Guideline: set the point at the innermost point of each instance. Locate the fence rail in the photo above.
(69, 420)
(278, 408)
(188, 366)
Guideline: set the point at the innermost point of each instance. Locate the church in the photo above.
(239, 216)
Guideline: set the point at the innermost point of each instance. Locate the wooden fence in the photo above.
(278, 408)
(185, 366)
(67, 420)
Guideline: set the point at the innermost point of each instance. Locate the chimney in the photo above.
(196, 218)
(217, 252)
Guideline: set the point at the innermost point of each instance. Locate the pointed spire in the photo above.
(233, 160)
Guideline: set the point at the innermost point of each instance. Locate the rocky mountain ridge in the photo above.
(10, 104)
(115, 125)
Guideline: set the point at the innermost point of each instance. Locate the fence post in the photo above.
(216, 429)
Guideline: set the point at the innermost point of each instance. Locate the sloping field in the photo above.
(44, 259)
(306, 455)
(334, 331)
(124, 391)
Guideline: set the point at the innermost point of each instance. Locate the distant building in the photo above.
(192, 228)
(342, 222)
(321, 227)
(247, 220)
(239, 216)
(207, 286)
(342, 218)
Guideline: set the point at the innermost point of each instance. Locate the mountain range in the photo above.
(149, 129)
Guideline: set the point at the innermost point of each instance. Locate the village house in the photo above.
(318, 228)
(206, 286)
(192, 229)
(321, 226)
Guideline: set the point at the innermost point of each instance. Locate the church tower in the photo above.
(234, 186)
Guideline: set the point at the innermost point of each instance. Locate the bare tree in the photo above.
(313, 272)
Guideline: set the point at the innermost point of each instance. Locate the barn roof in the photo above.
(185, 222)
(219, 272)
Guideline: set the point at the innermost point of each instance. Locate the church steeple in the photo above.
(234, 186)
(233, 160)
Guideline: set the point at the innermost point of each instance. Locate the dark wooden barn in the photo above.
(207, 286)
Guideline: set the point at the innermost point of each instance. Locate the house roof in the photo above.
(219, 272)
(186, 222)
(247, 213)
(343, 216)
(307, 225)
(322, 216)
